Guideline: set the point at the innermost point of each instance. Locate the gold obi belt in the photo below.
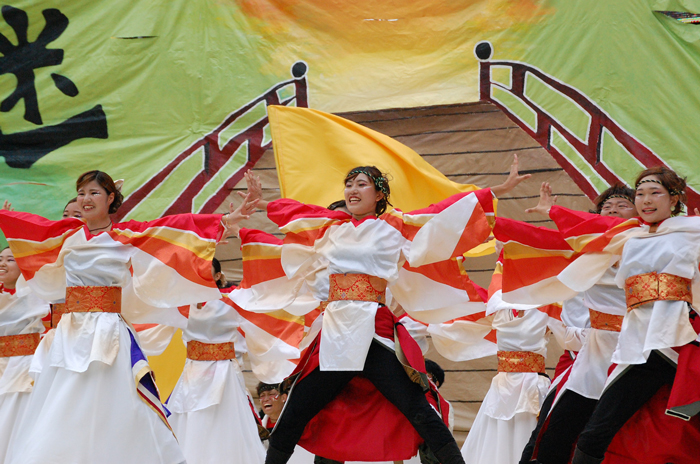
(357, 287)
(57, 310)
(19, 345)
(93, 300)
(644, 288)
(520, 361)
(604, 321)
(198, 351)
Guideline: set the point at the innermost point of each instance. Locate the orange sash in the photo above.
(357, 287)
(520, 361)
(645, 288)
(605, 321)
(19, 345)
(93, 300)
(198, 351)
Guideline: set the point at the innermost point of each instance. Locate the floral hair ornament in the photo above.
(671, 192)
(380, 182)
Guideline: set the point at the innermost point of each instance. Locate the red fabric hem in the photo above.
(360, 414)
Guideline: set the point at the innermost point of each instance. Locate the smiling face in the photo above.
(653, 202)
(619, 207)
(361, 196)
(272, 403)
(9, 271)
(72, 210)
(93, 203)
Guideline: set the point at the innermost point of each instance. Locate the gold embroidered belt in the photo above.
(198, 351)
(520, 361)
(644, 288)
(18, 345)
(357, 287)
(57, 310)
(605, 321)
(93, 300)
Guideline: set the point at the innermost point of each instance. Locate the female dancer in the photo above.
(20, 326)
(658, 262)
(72, 209)
(96, 401)
(347, 261)
(605, 301)
(210, 399)
(508, 413)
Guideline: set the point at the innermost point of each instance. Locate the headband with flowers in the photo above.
(380, 182)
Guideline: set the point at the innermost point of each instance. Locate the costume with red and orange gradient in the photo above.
(417, 254)
(586, 246)
(95, 370)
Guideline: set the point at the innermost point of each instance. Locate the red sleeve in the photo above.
(303, 224)
(34, 240)
(205, 226)
(27, 226)
(258, 236)
(571, 222)
(262, 257)
(286, 210)
(410, 223)
(509, 230)
(484, 196)
(183, 242)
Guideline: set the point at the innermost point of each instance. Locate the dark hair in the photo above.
(436, 371)
(672, 182)
(106, 182)
(617, 190)
(381, 184)
(216, 265)
(72, 200)
(263, 387)
(337, 205)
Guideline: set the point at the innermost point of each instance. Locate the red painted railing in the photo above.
(215, 157)
(589, 149)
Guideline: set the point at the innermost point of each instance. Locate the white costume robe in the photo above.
(589, 372)
(508, 414)
(211, 413)
(20, 313)
(333, 243)
(88, 405)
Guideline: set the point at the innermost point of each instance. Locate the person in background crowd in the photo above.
(271, 403)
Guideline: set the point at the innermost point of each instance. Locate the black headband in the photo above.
(671, 192)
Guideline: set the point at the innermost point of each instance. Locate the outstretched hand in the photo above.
(546, 200)
(7, 206)
(236, 215)
(254, 189)
(514, 178)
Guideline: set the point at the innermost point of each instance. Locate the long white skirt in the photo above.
(498, 441)
(221, 432)
(12, 408)
(92, 417)
(506, 418)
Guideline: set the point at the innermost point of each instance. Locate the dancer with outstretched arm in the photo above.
(96, 401)
(347, 261)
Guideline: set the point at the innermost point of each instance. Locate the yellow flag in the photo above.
(315, 150)
(168, 366)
